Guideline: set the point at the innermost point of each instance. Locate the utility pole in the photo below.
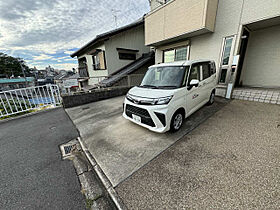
(114, 11)
(22, 69)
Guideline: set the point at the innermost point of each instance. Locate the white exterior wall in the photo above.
(254, 10)
(262, 61)
(209, 46)
(94, 73)
(130, 39)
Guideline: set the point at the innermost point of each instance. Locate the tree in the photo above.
(11, 66)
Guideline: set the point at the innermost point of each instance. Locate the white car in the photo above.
(169, 93)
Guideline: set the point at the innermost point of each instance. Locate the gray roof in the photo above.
(128, 69)
(102, 37)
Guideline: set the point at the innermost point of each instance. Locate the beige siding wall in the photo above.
(211, 12)
(262, 60)
(179, 17)
(131, 39)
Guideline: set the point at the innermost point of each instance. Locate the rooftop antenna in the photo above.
(114, 11)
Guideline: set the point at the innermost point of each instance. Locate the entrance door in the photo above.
(242, 52)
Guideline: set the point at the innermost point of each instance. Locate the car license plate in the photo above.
(136, 118)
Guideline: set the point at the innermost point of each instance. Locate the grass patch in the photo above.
(89, 203)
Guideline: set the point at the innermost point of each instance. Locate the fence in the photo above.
(22, 100)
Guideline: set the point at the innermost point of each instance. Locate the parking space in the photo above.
(119, 146)
(231, 161)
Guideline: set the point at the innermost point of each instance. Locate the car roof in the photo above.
(181, 63)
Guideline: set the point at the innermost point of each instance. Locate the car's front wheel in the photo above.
(176, 121)
(212, 98)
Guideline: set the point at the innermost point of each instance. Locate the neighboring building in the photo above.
(110, 52)
(67, 82)
(242, 36)
(16, 83)
(50, 71)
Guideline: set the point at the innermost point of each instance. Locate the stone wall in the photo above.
(93, 96)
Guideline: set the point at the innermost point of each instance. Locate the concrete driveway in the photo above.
(231, 161)
(119, 146)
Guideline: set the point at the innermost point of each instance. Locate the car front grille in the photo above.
(143, 113)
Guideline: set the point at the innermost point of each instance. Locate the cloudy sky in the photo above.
(46, 32)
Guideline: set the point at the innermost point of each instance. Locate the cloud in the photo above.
(66, 66)
(42, 57)
(69, 52)
(61, 25)
(64, 57)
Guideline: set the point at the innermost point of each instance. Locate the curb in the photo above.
(104, 179)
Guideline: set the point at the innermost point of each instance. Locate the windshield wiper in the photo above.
(167, 86)
(149, 86)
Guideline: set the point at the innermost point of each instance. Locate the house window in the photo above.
(181, 53)
(127, 56)
(99, 62)
(227, 49)
(177, 54)
(168, 56)
(83, 70)
(225, 59)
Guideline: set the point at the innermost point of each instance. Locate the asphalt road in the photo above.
(32, 174)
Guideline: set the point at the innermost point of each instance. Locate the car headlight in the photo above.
(162, 101)
(128, 96)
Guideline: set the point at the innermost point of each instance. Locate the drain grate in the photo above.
(68, 149)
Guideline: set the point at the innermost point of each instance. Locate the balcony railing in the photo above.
(83, 72)
(178, 19)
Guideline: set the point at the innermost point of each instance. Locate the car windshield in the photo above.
(164, 77)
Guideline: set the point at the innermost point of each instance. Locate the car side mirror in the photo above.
(193, 83)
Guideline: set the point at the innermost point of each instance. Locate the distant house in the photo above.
(112, 52)
(16, 83)
(67, 82)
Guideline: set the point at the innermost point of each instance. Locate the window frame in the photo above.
(222, 65)
(95, 65)
(224, 47)
(127, 53)
(175, 50)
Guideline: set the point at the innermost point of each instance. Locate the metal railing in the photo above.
(22, 100)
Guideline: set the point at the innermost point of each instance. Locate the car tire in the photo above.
(212, 98)
(177, 121)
